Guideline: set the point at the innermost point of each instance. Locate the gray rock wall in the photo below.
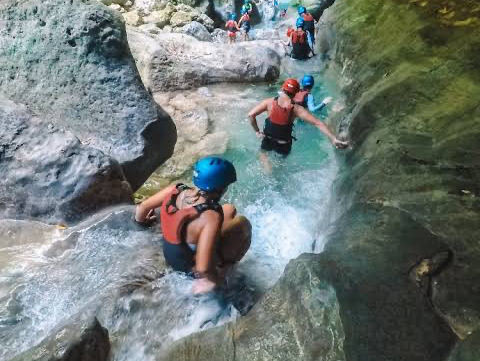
(47, 174)
(69, 62)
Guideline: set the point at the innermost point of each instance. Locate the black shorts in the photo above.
(269, 144)
(179, 256)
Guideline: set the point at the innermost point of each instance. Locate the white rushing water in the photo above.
(44, 279)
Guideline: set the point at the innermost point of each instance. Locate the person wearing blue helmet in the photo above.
(200, 237)
(298, 40)
(247, 7)
(232, 28)
(306, 99)
(244, 23)
(308, 25)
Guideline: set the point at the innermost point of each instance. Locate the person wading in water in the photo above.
(200, 237)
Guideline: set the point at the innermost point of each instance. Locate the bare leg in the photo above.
(266, 164)
(235, 238)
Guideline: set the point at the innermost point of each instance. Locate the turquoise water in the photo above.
(287, 207)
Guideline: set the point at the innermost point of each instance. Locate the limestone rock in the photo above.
(69, 62)
(468, 349)
(114, 2)
(197, 30)
(147, 6)
(175, 61)
(133, 18)
(206, 21)
(191, 3)
(159, 18)
(85, 341)
(298, 319)
(219, 36)
(47, 174)
(181, 18)
(117, 7)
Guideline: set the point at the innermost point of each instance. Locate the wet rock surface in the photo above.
(169, 62)
(413, 117)
(69, 62)
(84, 340)
(47, 174)
(298, 319)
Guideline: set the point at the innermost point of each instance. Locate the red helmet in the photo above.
(291, 86)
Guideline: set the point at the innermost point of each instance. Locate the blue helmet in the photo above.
(232, 16)
(301, 10)
(308, 81)
(213, 174)
(300, 23)
(243, 11)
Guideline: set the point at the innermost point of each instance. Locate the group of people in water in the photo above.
(301, 39)
(243, 24)
(203, 238)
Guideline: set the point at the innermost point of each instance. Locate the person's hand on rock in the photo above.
(340, 144)
(327, 100)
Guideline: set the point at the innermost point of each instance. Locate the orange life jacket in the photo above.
(231, 26)
(279, 124)
(174, 220)
(299, 37)
(309, 22)
(301, 98)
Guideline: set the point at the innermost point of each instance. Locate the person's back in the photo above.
(309, 23)
(300, 47)
(193, 223)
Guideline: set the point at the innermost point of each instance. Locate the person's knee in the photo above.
(229, 211)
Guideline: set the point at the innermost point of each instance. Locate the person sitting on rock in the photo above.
(200, 237)
(298, 39)
(245, 24)
(232, 28)
(305, 97)
(282, 112)
(309, 25)
(247, 7)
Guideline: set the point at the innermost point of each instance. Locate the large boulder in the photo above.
(197, 30)
(84, 340)
(48, 174)
(69, 62)
(175, 61)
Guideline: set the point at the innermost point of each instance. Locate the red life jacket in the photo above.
(279, 124)
(301, 98)
(231, 26)
(174, 220)
(279, 115)
(246, 17)
(309, 21)
(299, 37)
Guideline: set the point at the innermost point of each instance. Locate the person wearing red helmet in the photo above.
(282, 112)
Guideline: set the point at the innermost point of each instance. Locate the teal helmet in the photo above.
(232, 16)
(300, 23)
(243, 11)
(308, 81)
(301, 10)
(213, 174)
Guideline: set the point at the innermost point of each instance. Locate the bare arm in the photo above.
(259, 109)
(204, 261)
(148, 205)
(304, 114)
